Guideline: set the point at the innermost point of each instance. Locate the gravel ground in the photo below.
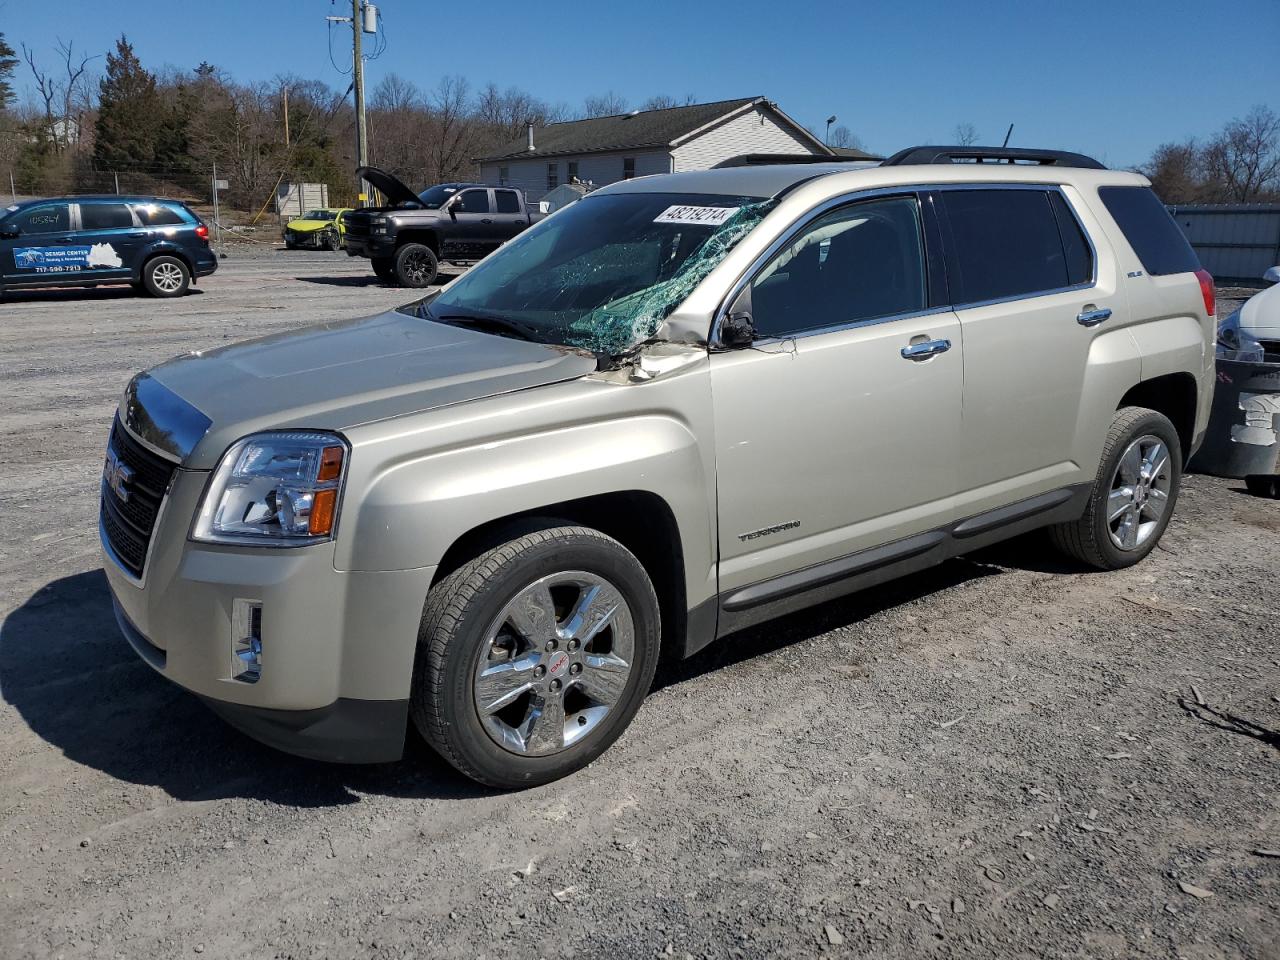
(1004, 756)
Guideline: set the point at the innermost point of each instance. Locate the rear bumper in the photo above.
(344, 731)
(206, 265)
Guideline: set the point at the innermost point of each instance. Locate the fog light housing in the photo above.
(246, 641)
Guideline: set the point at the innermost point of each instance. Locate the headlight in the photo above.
(1236, 343)
(275, 489)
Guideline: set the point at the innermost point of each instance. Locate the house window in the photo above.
(504, 176)
(572, 173)
(628, 168)
(553, 175)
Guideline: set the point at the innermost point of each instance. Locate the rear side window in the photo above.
(1074, 243)
(507, 200)
(1006, 244)
(1155, 238)
(104, 216)
(155, 215)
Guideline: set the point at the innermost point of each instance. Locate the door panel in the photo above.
(472, 233)
(112, 240)
(837, 438)
(42, 252)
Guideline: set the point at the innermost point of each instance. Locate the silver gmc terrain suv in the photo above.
(680, 406)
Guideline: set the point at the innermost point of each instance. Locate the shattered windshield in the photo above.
(318, 215)
(605, 272)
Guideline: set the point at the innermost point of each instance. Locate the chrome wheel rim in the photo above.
(1139, 496)
(555, 662)
(166, 276)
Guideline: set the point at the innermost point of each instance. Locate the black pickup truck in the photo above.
(457, 222)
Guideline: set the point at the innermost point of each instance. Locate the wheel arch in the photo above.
(1175, 395)
(164, 251)
(423, 235)
(640, 520)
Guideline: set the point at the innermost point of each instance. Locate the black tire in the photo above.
(1089, 538)
(166, 277)
(452, 639)
(332, 241)
(385, 269)
(1261, 485)
(415, 265)
(290, 245)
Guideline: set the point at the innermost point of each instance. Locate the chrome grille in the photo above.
(128, 520)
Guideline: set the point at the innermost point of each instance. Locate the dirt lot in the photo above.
(1001, 757)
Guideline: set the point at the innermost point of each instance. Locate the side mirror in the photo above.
(1272, 275)
(736, 329)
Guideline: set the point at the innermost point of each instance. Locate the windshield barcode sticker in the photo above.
(709, 215)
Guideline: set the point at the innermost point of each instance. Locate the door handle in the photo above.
(486, 220)
(1091, 318)
(925, 350)
(138, 233)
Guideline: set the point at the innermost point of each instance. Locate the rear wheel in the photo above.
(166, 277)
(415, 265)
(534, 657)
(1133, 494)
(384, 268)
(1261, 485)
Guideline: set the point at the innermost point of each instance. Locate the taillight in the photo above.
(1208, 291)
(203, 233)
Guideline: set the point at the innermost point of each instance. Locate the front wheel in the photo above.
(1133, 494)
(415, 265)
(332, 241)
(535, 656)
(166, 277)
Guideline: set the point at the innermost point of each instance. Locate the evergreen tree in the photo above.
(130, 113)
(8, 61)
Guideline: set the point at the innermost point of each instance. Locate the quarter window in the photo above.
(105, 216)
(474, 201)
(48, 218)
(156, 215)
(1156, 239)
(1005, 243)
(507, 201)
(860, 262)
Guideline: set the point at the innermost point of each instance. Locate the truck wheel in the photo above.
(1261, 485)
(415, 265)
(332, 241)
(385, 269)
(166, 277)
(1133, 495)
(534, 657)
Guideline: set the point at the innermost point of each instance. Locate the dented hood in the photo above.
(332, 377)
(391, 187)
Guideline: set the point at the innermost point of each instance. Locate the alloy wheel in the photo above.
(1139, 494)
(167, 277)
(554, 664)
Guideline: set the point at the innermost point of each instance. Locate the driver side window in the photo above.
(46, 218)
(474, 201)
(858, 262)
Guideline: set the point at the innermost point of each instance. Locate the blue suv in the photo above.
(157, 245)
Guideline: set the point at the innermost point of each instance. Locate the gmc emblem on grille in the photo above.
(117, 476)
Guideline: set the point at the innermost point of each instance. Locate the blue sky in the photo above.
(1111, 79)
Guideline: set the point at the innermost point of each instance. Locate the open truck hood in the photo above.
(389, 186)
(331, 377)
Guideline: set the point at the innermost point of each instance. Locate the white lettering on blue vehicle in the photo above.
(66, 259)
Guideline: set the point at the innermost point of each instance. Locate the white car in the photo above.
(1260, 314)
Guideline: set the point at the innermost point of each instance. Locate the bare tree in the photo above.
(1245, 156)
(965, 134)
(605, 105)
(842, 136)
(664, 102)
(65, 98)
(1177, 174)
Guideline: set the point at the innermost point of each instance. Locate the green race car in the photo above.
(317, 229)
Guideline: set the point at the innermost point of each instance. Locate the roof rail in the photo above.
(961, 154)
(758, 159)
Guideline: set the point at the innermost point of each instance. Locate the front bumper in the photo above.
(1243, 438)
(337, 647)
(375, 248)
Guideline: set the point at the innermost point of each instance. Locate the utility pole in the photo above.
(363, 19)
(284, 92)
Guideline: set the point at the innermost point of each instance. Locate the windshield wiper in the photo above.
(499, 325)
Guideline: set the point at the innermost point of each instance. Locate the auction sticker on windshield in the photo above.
(685, 214)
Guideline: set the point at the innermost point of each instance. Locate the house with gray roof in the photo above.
(602, 150)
